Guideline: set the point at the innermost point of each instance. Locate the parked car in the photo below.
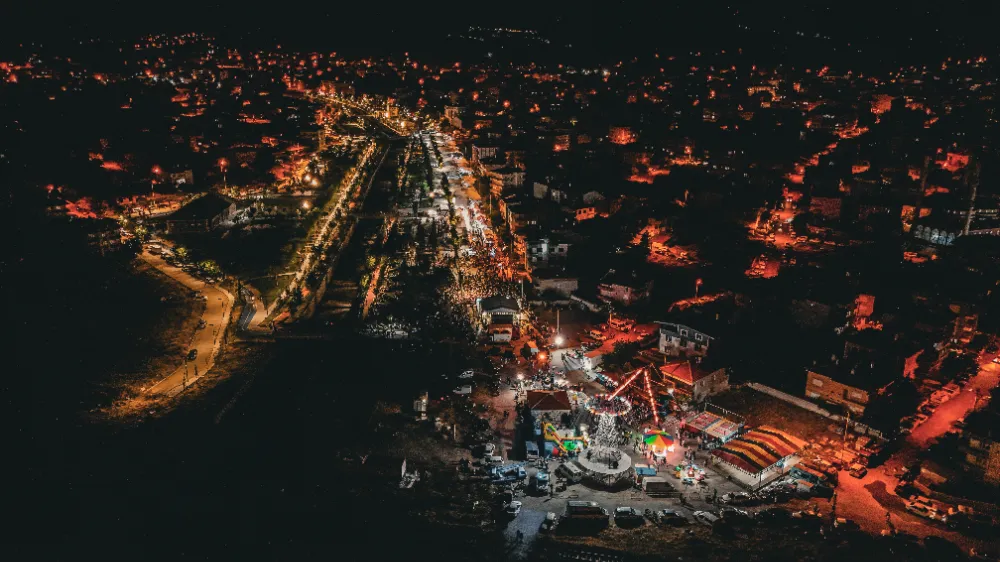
(843, 524)
(922, 509)
(464, 389)
(774, 516)
(192, 354)
(670, 517)
(706, 517)
(858, 471)
(513, 509)
(738, 498)
(627, 516)
(804, 515)
(734, 514)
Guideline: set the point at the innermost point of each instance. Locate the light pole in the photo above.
(156, 173)
(223, 166)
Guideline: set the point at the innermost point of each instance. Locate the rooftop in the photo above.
(205, 207)
(548, 400)
(625, 279)
(494, 303)
(685, 371)
(866, 373)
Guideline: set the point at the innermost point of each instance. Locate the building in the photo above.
(938, 230)
(542, 250)
(201, 215)
(623, 289)
(584, 213)
(966, 323)
(454, 115)
(505, 180)
(694, 379)
(678, 339)
(852, 384)
(498, 310)
(545, 281)
(546, 402)
(980, 445)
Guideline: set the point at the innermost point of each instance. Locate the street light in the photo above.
(156, 172)
(559, 339)
(223, 166)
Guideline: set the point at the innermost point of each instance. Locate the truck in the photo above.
(585, 509)
(508, 473)
(657, 486)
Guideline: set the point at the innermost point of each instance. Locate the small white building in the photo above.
(678, 339)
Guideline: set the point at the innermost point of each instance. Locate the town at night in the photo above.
(632, 282)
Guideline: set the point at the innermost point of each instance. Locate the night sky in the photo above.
(604, 30)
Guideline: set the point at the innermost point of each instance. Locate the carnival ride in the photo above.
(632, 377)
(563, 446)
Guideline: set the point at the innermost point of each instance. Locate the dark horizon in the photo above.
(884, 34)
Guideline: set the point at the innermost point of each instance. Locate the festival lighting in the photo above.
(626, 383)
(649, 393)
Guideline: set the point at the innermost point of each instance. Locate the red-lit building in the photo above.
(623, 289)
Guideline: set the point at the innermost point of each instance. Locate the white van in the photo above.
(570, 471)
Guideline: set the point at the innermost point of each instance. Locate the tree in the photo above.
(801, 222)
(621, 354)
(182, 253)
(142, 233)
(209, 267)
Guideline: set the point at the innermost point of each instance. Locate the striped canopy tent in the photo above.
(658, 440)
(759, 449)
(713, 425)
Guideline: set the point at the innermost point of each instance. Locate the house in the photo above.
(201, 215)
(547, 280)
(585, 212)
(498, 310)
(547, 402)
(966, 323)
(623, 289)
(695, 378)
(541, 250)
(981, 446)
(852, 384)
(678, 339)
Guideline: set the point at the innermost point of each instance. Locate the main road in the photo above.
(207, 341)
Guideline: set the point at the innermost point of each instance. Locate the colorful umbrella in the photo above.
(658, 440)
